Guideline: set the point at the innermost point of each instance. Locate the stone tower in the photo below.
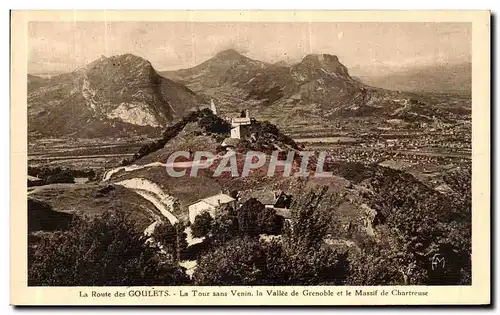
(239, 126)
(212, 107)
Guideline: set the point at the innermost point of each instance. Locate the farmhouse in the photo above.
(277, 200)
(209, 205)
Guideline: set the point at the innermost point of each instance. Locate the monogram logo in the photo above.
(438, 262)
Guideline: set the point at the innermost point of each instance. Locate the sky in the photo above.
(365, 48)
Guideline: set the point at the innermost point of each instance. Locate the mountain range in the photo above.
(238, 81)
(124, 95)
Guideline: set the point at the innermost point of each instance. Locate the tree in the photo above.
(213, 123)
(254, 219)
(308, 226)
(241, 261)
(418, 223)
(288, 264)
(172, 238)
(303, 257)
(269, 222)
(248, 216)
(101, 251)
(225, 225)
(377, 266)
(202, 225)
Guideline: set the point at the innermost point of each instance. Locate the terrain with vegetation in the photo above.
(399, 194)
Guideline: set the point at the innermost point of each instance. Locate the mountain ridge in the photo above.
(318, 88)
(264, 82)
(124, 95)
(450, 78)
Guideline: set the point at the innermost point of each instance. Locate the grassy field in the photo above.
(97, 154)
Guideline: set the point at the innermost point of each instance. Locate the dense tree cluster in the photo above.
(169, 133)
(298, 256)
(267, 132)
(251, 219)
(213, 124)
(100, 251)
(202, 225)
(52, 175)
(414, 224)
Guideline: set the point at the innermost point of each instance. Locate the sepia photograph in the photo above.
(249, 153)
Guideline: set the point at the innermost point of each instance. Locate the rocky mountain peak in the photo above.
(111, 95)
(230, 54)
(326, 62)
(321, 58)
(117, 61)
(126, 69)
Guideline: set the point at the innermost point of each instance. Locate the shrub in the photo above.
(202, 225)
(241, 261)
(62, 177)
(172, 238)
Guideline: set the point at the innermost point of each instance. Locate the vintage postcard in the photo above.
(250, 158)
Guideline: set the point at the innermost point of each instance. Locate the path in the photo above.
(154, 194)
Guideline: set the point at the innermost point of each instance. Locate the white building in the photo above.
(236, 126)
(208, 204)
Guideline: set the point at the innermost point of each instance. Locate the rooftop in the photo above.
(241, 121)
(215, 200)
(266, 197)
